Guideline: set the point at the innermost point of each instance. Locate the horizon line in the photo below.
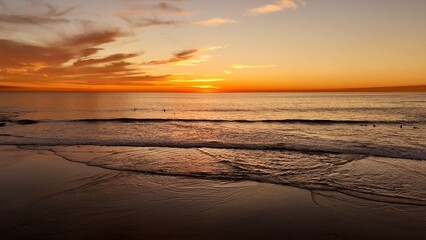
(413, 88)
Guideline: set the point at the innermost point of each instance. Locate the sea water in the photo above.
(368, 145)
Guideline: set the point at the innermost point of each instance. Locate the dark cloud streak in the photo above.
(177, 57)
(149, 22)
(137, 16)
(54, 12)
(169, 8)
(93, 38)
(22, 19)
(111, 58)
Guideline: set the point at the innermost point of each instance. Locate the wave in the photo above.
(410, 153)
(301, 121)
(278, 121)
(326, 173)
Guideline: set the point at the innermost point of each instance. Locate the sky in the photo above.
(211, 46)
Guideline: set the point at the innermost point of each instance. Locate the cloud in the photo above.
(206, 87)
(166, 7)
(278, 6)
(11, 88)
(239, 66)
(26, 57)
(54, 12)
(69, 63)
(212, 48)
(93, 38)
(111, 58)
(177, 57)
(136, 16)
(66, 48)
(200, 80)
(20, 55)
(188, 83)
(214, 22)
(186, 57)
(52, 15)
(148, 22)
(157, 9)
(21, 19)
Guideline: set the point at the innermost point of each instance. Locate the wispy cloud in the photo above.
(148, 22)
(177, 57)
(198, 80)
(152, 15)
(186, 57)
(111, 58)
(212, 48)
(239, 66)
(157, 9)
(51, 15)
(92, 38)
(214, 22)
(278, 6)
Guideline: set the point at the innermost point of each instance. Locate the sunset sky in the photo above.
(205, 45)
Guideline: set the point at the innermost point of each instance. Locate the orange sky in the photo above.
(211, 46)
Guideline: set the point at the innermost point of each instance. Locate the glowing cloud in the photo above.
(214, 22)
(238, 66)
(205, 87)
(173, 45)
(274, 7)
(198, 80)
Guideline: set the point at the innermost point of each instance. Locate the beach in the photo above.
(44, 196)
(188, 119)
(212, 166)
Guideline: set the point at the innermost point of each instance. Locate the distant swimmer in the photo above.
(164, 110)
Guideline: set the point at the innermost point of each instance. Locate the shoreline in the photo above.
(50, 197)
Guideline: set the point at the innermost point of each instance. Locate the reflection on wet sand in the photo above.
(51, 198)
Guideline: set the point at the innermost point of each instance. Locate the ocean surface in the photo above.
(368, 145)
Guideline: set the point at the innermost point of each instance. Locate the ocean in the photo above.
(367, 145)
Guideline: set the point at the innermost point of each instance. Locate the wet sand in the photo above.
(43, 196)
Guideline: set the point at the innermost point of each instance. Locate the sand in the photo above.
(43, 196)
